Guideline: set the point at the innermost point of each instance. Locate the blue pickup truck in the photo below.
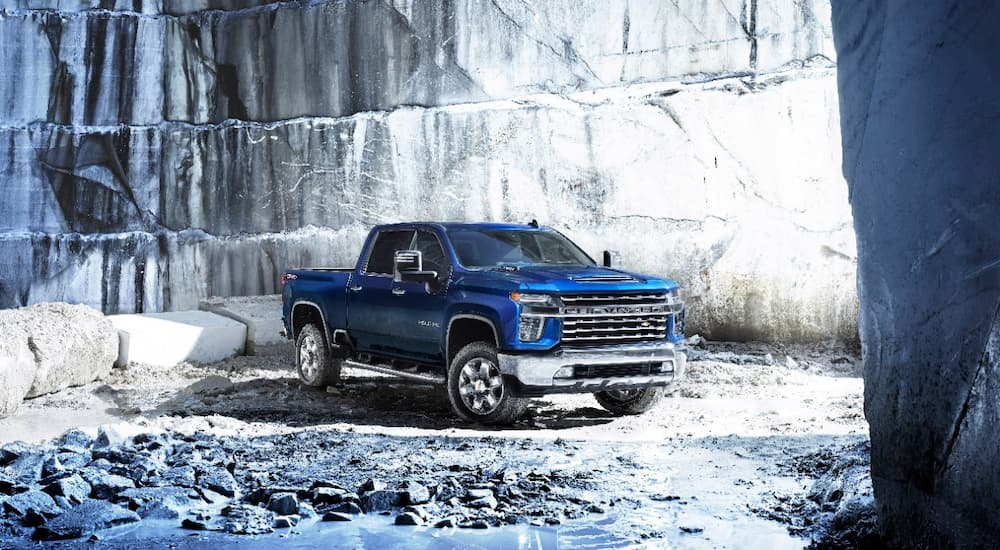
(494, 313)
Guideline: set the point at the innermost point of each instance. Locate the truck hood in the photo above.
(567, 279)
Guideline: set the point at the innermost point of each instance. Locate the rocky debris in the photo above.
(79, 485)
(83, 519)
(247, 519)
(729, 357)
(838, 510)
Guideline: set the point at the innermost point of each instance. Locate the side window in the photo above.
(434, 258)
(380, 262)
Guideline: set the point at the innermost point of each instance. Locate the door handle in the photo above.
(356, 288)
(398, 291)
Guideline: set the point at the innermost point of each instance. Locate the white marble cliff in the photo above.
(156, 153)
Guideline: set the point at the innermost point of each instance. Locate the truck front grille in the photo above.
(601, 319)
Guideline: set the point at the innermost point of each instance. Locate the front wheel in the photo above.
(629, 402)
(477, 390)
(316, 366)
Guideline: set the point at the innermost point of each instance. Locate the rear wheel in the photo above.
(629, 402)
(477, 390)
(315, 364)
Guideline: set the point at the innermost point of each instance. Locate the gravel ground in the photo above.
(741, 454)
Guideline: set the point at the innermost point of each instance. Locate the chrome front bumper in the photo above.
(540, 373)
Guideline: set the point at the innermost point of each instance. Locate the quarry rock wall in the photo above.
(153, 154)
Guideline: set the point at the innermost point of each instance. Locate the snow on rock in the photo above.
(51, 346)
(166, 339)
(919, 104)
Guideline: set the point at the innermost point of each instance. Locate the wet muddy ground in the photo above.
(733, 458)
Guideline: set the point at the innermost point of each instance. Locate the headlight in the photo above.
(530, 328)
(527, 299)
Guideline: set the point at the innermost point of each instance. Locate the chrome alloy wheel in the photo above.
(481, 386)
(309, 358)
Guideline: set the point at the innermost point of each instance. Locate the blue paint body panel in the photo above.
(412, 323)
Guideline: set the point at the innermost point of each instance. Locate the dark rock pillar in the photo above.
(920, 114)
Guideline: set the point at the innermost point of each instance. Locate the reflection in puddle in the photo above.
(377, 532)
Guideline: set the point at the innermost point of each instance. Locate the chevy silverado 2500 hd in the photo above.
(495, 313)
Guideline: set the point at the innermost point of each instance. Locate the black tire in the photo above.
(316, 366)
(626, 403)
(495, 403)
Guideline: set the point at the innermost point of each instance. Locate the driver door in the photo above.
(418, 309)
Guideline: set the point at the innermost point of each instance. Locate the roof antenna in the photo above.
(533, 223)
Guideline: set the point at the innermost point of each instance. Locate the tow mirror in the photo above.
(409, 266)
(612, 259)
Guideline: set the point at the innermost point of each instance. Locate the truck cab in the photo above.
(495, 313)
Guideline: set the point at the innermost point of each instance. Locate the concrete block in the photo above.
(260, 314)
(166, 339)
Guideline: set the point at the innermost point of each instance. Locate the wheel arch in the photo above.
(304, 312)
(465, 328)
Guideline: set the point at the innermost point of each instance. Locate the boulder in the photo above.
(412, 492)
(74, 488)
(284, 504)
(17, 373)
(68, 345)
(31, 502)
(89, 516)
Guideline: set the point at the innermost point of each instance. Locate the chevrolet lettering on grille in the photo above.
(613, 310)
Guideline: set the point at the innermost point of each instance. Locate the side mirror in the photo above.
(409, 266)
(612, 259)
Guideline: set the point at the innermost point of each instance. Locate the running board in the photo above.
(428, 378)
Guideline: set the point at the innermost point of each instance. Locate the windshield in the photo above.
(485, 248)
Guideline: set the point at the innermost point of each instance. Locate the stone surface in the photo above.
(165, 339)
(740, 232)
(60, 345)
(90, 516)
(260, 314)
(283, 504)
(31, 502)
(17, 372)
(73, 488)
(412, 492)
(340, 58)
(919, 105)
(179, 155)
(379, 500)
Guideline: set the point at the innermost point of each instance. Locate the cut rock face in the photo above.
(922, 168)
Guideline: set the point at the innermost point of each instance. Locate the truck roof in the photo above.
(465, 225)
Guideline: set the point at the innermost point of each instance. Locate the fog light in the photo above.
(564, 372)
(530, 329)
